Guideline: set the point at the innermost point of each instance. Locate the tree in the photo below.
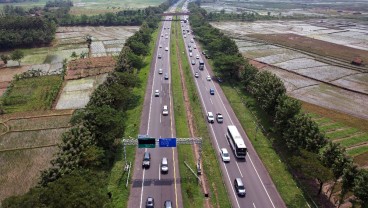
(248, 74)
(310, 166)
(303, 133)
(17, 55)
(4, 58)
(349, 174)
(361, 187)
(286, 109)
(74, 55)
(229, 65)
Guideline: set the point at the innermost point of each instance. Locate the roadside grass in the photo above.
(30, 94)
(357, 151)
(191, 190)
(287, 187)
(117, 179)
(211, 167)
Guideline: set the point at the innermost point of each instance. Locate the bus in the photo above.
(236, 142)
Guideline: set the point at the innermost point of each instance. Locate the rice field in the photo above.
(76, 93)
(354, 140)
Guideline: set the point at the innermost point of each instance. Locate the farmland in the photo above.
(29, 141)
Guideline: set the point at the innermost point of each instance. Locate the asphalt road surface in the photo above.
(260, 190)
(151, 182)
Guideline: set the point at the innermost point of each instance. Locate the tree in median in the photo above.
(17, 55)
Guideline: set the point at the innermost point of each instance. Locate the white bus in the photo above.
(236, 142)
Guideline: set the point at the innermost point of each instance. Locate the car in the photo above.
(196, 75)
(193, 62)
(166, 48)
(146, 160)
(162, 35)
(159, 56)
(219, 118)
(166, 76)
(166, 37)
(210, 118)
(219, 79)
(185, 36)
(191, 40)
(208, 78)
(190, 54)
(194, 46)
(239, 187)
(165, 110)
(150, 202)
(168, 204)
(190, 49)
(164, 165)
(159, 71)
(157, 93)
(160, 46)
(189, 46)
(212, 91)
(225, 156)
(204, 52)
(197, 56)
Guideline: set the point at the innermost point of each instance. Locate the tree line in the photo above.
(309, 151)
(79, 172)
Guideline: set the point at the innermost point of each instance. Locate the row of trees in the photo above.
(78, 176)
(308, 149)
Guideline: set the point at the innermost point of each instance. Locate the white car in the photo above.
(165, 110)
(197, 56)
(157, 93)
(196, 75)
(190, 54)
(210, 117)
(167, 37)
(167, 49)
(159, 71)
(194, 46)
(160, 46)
(208, 78)
(225, 155)
(185, 36)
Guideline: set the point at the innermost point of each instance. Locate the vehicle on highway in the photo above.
(159, 71)
(219, 118)
(212, 91)
(193, 62)
(166, 76)
(185, 36)
(157, 93)
(204, 52)
(190, 54)
(201, 65)
(225, 156)
(210, 117)
(162, 35)
(197, 56)
(208, 78)
(168, 204)
(191, 40)
(189, 46)
(159, 56)
(239, 187)
(160, 46)
(165, 110)
(190, 49)
(196, 75)
(150, 202)
(236, 142)
(146, 160)
(166, 48)
(194, 46)
(164, 165)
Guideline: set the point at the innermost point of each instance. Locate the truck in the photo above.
(201, 65)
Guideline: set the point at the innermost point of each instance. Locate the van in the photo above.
(164, 165)
(239, 187)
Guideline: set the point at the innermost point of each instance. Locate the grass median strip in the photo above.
(191, 191)
(218, 194)
(118, 177)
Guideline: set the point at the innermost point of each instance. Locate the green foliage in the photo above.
(248, 74)
(361, 187)
(310, 166)
(266, 88)
(303, 133)
(333, 156)
(229, 65)
(80, 188)
(286, 109)
(17, 55)
(5, 58)
(348, 177)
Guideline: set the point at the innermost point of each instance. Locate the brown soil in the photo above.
(89, 67)
(319, 47)
(7, 74)
(362, 160)
(257, 64)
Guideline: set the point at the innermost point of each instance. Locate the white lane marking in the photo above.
(144, 171)
(239, 169)
(211, 101)
(254, 205)
(159, 173)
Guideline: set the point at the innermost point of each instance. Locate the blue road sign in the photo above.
(167, 142)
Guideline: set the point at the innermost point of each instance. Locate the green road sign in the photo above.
(146, 142)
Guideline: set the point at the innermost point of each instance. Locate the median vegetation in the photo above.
(293, 135)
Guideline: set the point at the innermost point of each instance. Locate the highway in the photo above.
(150, 182)
(260, 190)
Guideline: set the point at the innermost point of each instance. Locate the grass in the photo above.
(354, 140)
(285, 184)
(117, 179)
(341, 134)
(331, 127)
(39, 123)
(191, 191)
(32, 94)
(211, 166)
(357, 151)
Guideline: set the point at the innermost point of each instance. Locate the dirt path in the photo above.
(190, 119)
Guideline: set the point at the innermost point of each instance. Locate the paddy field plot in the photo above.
(76, 93)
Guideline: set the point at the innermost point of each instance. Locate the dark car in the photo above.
(220, 80)
(166, 76)
(212, 91)
(146, 160)
(150, 202)
(168, 204)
